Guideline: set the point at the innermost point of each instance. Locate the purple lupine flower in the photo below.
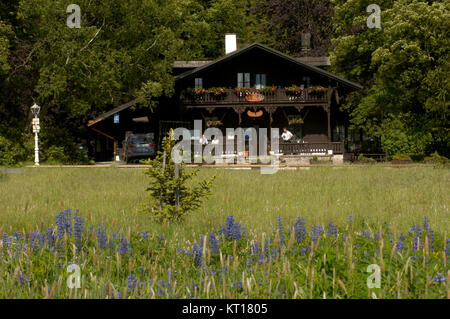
(214, 242)
(236, 233)
(237, 284)
(34, 240)
(300, 229)
(425, 223)
(316, 231)
(377, 236)
(145, 235)
(197, 253)
(161, 237)
(447, 250)
(280, 229)
(78, 228)
(332, 230)
(132, 282)
(124, 248)
(400, 245)
(350, 219)
(365, 234)
(22, 279)
(64, 223)
(439, 277)
(229, 227)
(101, 236)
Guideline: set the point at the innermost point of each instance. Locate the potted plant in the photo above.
(295, 121)
(294, 90)
(243, 91)
(213, 123)
(217, 91)
(267, 90)
(316, 90)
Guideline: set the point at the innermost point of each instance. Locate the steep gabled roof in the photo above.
(260, 46)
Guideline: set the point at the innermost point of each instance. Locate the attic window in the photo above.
(199, 83)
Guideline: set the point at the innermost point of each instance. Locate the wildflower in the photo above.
(350, 219)
(145, 235)
(425, 223)
(439, 277)
(316, 231)
(332, 230)
(365, 234)
(132, 282)
(197, 253)
(300, 229)
(78, 223)
(161, 237)
(400, 245)
(237, 284)
(279, 229)
(101, 236)
(123, 246)
(214, 242)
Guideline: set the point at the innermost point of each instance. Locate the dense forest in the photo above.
(125, 49)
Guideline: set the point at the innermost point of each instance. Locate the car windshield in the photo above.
(140, 140)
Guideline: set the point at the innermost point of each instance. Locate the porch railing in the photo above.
(284, 149)
(230, 96)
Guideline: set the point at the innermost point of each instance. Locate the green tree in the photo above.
(404, 67)
(173, 193)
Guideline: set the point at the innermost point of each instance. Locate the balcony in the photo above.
(277, 96)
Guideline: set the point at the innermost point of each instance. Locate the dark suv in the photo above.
(139, 146)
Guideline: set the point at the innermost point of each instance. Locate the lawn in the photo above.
(379, 200)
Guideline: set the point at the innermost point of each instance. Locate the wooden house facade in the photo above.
(254, 87)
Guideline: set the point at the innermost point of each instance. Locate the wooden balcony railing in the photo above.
(230, 96)
(284, 149)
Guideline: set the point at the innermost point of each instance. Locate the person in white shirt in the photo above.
(203, 140)
(215, 141)
(286, 136)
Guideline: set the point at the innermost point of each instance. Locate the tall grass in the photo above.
(273, 258)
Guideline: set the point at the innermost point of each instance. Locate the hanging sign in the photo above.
(255, 114)
(254, 97)
(116, 118)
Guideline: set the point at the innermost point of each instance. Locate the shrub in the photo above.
(173, 197)
(364, 159)
(437, 159)
(13, 152)
(401, 157)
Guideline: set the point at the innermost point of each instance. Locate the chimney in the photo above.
(230, 43)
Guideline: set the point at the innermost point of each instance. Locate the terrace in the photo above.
(253, 97)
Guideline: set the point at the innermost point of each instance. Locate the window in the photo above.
(307, 81)
(243, 80)
(260, 81)
(199, 83)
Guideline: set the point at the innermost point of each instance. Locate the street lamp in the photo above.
(36, 128)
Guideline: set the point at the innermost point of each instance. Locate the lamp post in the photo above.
(36, 128)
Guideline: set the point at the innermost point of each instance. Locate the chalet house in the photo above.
(255, 86)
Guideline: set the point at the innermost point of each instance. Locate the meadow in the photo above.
(295, 234)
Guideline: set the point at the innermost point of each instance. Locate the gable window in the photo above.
(199, 83)
(260, 81)
(243, 80)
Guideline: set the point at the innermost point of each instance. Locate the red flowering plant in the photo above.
(294, 90)
(267, 90)
(243, 91)
(217, 91)
(213, 123)
(317, 89)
